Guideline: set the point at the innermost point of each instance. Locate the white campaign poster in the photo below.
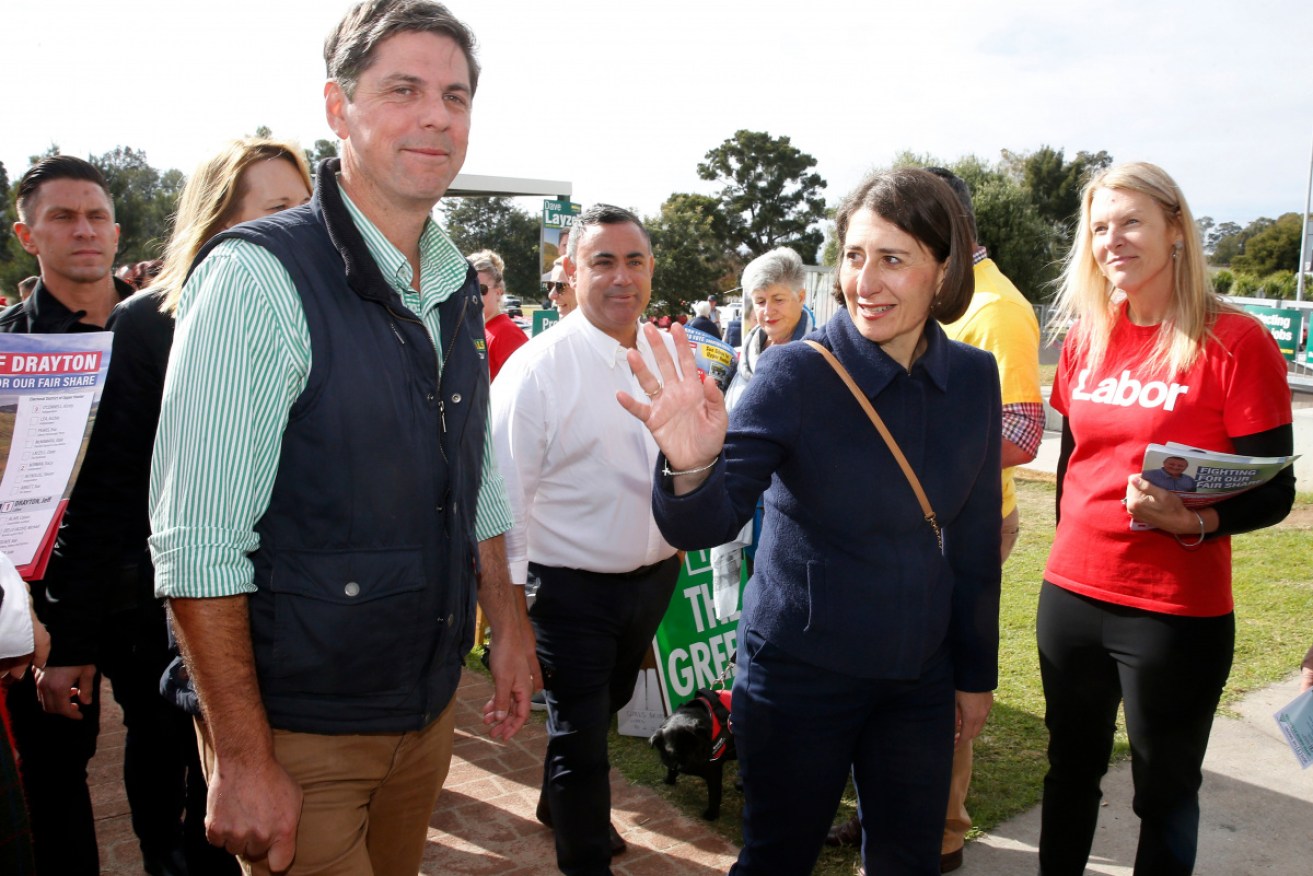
(49, 387)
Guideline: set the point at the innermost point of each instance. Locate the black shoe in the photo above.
(847, 834)
(168, 863)
(950, 862)
(543, 813)
(618, 844)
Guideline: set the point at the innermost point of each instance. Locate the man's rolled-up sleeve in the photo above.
(494, 514)
(239, 360)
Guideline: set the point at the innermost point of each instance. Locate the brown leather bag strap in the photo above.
(880, 427)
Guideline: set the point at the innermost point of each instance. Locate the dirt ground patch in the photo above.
(1300, 517)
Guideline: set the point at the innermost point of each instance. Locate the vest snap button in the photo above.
(455, 398)
(451, 620)
(437, 508)
(429, 398)
(351, 589)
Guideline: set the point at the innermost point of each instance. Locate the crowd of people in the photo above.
(321, 444)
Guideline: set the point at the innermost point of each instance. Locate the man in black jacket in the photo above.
(66, 220)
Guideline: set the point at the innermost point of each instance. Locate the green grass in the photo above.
(1273, 583)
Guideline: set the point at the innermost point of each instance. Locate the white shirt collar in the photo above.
(611, 351)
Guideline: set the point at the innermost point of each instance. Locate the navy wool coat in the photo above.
(848, 574)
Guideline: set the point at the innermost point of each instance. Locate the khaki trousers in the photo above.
(367, 797)
(958, 821)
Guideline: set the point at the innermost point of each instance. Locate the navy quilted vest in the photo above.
(367, 564)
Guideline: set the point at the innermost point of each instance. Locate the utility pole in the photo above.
(1303, 240)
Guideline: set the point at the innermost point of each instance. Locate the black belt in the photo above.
(640, 572)
(643, 571)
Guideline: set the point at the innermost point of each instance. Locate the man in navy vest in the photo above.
(323, 497)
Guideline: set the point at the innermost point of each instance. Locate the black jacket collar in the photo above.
(362, 273)
(44, 314)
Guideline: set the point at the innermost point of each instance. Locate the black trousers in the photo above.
(1169, 672)
(161, 765)
(593, 631)
(53, 753)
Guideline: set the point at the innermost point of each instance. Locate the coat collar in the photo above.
(366, 264)
(362, 272)
(871, 367)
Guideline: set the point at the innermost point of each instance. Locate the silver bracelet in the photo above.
(674, 474)
(1199, 540)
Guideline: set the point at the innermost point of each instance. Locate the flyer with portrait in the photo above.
(49, 388)
(1203, 477)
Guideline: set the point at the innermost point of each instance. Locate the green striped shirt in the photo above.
(240, 358)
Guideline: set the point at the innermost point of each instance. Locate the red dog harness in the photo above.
(717, 704)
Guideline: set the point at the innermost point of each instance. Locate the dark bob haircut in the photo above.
(922, 205)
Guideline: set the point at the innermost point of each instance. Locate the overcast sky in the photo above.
(623, 97)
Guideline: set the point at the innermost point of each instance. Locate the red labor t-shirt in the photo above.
(1237, 387)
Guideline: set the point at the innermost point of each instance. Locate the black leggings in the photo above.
(1169, 671)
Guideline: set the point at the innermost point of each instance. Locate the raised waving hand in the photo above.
(685, 414)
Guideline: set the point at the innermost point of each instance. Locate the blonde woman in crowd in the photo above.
(1143, 616)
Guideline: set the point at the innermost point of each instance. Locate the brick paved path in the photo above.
(119, 853)
(483, 823)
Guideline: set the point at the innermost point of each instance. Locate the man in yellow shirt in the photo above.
(1001, 321)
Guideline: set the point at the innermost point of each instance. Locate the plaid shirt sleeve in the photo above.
(1023, 425)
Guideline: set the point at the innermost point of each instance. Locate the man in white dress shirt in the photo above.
(578, 470)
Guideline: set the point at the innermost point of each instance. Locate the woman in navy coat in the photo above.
(863, 644)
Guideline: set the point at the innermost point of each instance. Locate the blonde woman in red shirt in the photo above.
(1144, 617)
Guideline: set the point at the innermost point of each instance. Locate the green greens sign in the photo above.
(692, 646)
(1285, 324)
(545, 319)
